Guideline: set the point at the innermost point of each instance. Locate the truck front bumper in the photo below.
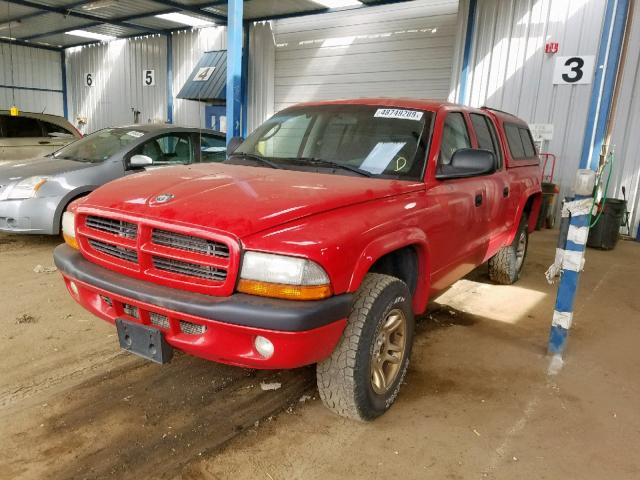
(221, 329)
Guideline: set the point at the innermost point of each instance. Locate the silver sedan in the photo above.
(34, 195)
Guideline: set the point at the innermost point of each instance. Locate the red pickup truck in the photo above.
(318, 240)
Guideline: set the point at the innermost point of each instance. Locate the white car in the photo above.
(33, 135)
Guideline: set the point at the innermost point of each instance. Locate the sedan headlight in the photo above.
(69, 229)
(26, 188)
(279, 276)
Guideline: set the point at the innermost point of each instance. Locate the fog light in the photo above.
(264, 346)
(73, 287)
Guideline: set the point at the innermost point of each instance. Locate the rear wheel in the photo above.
(505, 267)
(362, 377)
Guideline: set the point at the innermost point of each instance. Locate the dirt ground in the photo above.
(477, 402)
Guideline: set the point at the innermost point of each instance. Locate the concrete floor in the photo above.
(477, 402)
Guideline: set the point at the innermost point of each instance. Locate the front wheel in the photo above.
(505, 267)
(362, 377)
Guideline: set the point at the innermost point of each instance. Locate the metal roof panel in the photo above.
(210, 85)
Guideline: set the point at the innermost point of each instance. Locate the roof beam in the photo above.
(39, 12)
(30, 45)
(95, 24)
(67, 11)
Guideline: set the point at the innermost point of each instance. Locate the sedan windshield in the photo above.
(366, 140)
(99, 146)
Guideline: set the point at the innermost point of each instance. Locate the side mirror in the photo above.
(140, 161)
(468, 162)
(234, 143)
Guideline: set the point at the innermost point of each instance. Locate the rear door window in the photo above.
(454, 137)
(514, 139)
(486, 134)
(22, 127)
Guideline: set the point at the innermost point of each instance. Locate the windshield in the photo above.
(347, 139)
(99, 146)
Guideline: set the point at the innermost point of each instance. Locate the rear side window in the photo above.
(486, 134)
(527, 142)
(21, 127)
(454, 137)
(520, 141)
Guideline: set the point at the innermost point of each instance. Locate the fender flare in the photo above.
(388, 243)
(68, 198)
(535, 209)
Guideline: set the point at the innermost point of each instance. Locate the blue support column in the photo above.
(169, 78)
(573, 255)
(466, 55)
(234, 69)
(63, 67)
(607, 61)
(245, 79)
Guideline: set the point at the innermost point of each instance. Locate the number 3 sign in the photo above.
(573, 70)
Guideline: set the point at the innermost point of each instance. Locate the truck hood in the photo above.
(241, 200)
(45, 166)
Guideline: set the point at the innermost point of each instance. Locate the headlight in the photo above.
(279, 276)
(26, 188)
(69, 229)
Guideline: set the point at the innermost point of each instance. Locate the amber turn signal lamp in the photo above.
(289, 292)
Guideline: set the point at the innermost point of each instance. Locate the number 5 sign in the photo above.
(573, 70)
(148, 78)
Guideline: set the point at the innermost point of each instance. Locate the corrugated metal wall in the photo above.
(510, 71)
(626, 127)
(117, 82)
(262, 64)
(188, 47)
(404, 49)
(33, 68)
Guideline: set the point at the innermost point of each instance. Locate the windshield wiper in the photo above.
(329, 163)
(255, 156)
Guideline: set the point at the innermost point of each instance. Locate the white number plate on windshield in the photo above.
(397, 113)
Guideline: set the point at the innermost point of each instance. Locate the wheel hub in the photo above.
(388, 351)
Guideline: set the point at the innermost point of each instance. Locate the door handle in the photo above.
(44, 142)
(505, 192)
(478, 199)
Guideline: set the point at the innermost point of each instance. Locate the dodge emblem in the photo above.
(163, 198)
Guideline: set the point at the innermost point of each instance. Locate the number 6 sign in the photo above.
(573, 70)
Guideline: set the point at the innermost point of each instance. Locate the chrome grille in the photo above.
(208, 272)
(192, 328)
(159, 320)
(114, 250)
(189, 243)
(115, 227)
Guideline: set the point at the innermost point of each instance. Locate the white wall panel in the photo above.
(511, 72)
(117, 69)
(626, 128)
(188, 47)
(400, 50)
(31, 68)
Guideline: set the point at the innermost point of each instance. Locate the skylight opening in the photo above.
(92, 35)
(183, 19)
(337, 3)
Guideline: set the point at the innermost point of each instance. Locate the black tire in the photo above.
(505, 267)
(346, 379)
